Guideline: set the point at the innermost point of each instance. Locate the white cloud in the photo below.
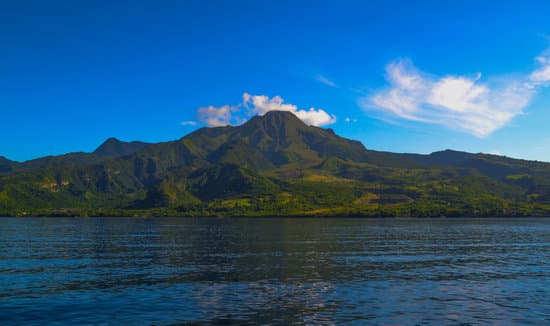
(217, 116)
(315, 117)
(324, 80)
(259, 105)
(461, 102)
(189, 123)
(541, 75)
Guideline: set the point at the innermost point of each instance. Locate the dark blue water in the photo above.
(277, 271)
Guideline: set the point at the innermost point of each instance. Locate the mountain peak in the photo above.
(277, 113)
(277, 118)
(115, 147)
(277, 127)
(274, 123)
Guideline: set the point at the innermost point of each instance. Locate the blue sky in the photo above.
(404, 76)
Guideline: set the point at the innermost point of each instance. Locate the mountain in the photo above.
(110, 149)
(273, 140)
(113, 147)
(272, 165)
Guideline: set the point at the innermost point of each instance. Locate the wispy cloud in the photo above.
(324, 80)
(189, 123)
(461, 102)
(542, 75)
(260, 105)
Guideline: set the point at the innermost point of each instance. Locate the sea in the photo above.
(274, 271)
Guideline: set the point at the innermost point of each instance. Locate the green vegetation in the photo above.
(273, 165)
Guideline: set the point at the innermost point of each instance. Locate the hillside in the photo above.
(6, 165)
(271, 165)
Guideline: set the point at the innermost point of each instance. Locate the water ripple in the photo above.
(274, 271)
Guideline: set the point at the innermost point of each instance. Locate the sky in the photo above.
(401, 76)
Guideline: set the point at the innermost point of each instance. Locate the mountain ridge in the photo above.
(272, 165)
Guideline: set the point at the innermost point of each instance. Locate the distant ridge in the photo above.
(6, 165)
(4, 160)
(115, 147)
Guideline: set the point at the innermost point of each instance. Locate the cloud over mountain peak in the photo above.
(259, 105)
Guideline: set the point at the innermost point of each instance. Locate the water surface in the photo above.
(278, 271)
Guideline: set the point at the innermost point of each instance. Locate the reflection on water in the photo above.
(279, 271)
